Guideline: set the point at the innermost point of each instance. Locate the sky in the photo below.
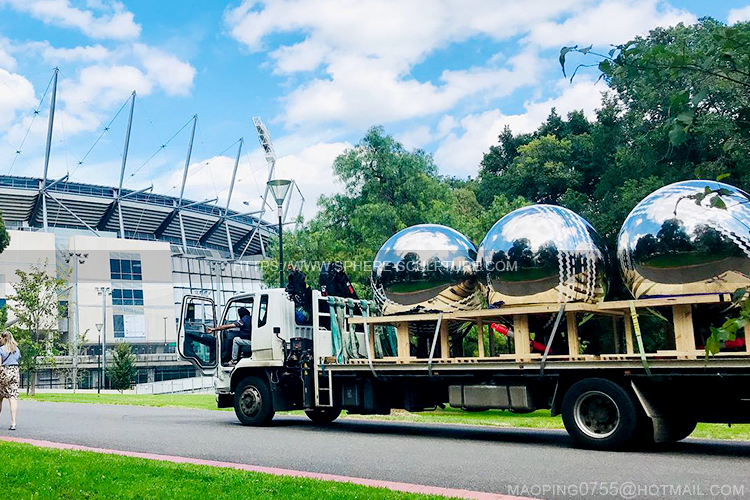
(444, 76)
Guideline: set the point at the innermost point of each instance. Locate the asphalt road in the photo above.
(535, 463)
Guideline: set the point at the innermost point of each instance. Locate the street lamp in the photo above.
(104, 291)
(77, 258)
(279, 188)
(99, 360)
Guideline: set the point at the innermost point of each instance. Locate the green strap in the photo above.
(338, 350)
(637, 330)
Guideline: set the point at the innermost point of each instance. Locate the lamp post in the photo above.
(99, 360)
(104, 291)
(165, 334)
(279, 188)
(77, 258)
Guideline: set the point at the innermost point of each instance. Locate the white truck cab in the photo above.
(282, 346)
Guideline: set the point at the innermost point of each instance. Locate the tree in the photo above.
(122, 372)
(36, 307)
(387, 188)
(4, 236)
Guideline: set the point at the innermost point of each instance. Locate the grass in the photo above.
(39, 473)
(497, 418)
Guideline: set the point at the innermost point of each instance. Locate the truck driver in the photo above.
(244, 323)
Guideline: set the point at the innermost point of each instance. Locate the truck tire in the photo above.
(323, 415)
(602, 415)
(253, 403)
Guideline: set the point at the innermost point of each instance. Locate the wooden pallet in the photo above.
(618, 311)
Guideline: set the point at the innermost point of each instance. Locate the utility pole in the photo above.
(78, 258)
(104, 291)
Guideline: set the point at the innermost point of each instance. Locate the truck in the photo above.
(346, 357)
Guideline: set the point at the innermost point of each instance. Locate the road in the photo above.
(538, 463)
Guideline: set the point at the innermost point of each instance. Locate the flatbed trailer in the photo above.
(608, 400)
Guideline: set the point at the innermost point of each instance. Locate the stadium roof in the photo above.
(146, 216)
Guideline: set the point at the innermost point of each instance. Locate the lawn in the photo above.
(40, 473)
(536, 420)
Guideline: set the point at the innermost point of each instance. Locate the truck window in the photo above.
(263, 310)
(234, 306)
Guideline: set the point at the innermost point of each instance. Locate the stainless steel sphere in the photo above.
(426, 267)
(541, 254)
(688, 238)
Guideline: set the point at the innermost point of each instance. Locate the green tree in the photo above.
(36, 307)
(122, 372)
(387, 188)
(4, 236)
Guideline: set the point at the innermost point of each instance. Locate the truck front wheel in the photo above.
(253, 403)
(600, 414)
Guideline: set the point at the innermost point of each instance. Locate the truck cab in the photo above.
(269, 376)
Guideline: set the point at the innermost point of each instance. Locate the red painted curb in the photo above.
(390, 485)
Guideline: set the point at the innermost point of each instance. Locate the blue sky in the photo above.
(442, 75)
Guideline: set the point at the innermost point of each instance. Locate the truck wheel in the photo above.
(600, 414)
(253, 403)
(323, 415)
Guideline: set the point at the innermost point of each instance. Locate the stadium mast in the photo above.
(48, 149)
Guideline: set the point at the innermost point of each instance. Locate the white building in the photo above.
(164, 249)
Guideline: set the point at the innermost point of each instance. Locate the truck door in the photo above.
(194, 343)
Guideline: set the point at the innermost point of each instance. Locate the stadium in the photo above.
(147, 249)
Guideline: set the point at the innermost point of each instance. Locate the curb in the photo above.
(390, 485)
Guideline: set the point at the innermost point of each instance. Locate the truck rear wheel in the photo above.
(323, 415)
(253, 403)
(600, 414)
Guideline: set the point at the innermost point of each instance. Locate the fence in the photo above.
(177, 386)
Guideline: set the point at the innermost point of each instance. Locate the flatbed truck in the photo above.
(339, 361)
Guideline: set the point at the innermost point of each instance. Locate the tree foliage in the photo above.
(122, 371)
(36, 306)
(387, 188)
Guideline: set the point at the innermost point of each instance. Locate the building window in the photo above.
(125, 269)
(127, 297)
(129, 326)
(63, 307)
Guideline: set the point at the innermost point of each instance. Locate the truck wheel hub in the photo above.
(250, 402)
(596, 414)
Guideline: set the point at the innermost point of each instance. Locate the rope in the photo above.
(637, 330)
(160, 148)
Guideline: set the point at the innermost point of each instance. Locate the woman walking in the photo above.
(9, 375)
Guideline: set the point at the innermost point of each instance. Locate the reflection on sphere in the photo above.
(427, 267)
(542, 254)
(687, 238)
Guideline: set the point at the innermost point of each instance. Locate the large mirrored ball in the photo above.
(688, 238)
(427, 267)
(543, 254)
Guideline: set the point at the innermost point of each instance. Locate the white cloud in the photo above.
(113, 21)
(7, 61)
(460, 153)
(172, 75)
(609, 22)
(16, 93)
(739, 15)
(83, 54)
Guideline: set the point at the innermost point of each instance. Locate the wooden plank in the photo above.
(445, 348)
(480, 337)
(572, 322)
(491, 333)
(402, 341)
(616, 335)
(629, 335)
(667, 301)
(394, 320)
(521, 337)
(371, 339)
(682, 317)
